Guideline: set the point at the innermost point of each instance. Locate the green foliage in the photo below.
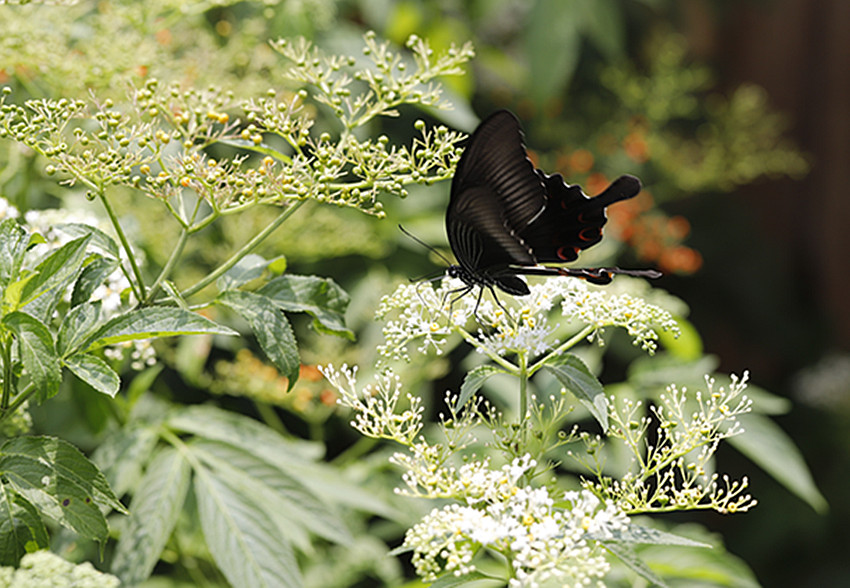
(113, 101)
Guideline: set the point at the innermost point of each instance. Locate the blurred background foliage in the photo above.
(734, 114)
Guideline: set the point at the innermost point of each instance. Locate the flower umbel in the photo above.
(430, 315)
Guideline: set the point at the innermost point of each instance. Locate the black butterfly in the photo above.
(505, 217)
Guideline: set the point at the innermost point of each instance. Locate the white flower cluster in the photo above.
(375, 407)
(518, 324)
(543, 542)
(674, 471)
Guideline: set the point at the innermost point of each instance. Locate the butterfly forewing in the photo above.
(495, 195)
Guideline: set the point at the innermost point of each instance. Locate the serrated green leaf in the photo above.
(145, 323)
(38, 355)
(21, 529)
(13, 247)
(472, 579)
(247, 546)
(638, 534)
(95, 372)
(271, 328)
(92, 277)
(123, 454)
(61, 482)
(283, 495)
(248, 268)
(98, 238)
(156, 506)
(77, 327)
(321, 298)
(57, 271)
(576, 377)
(626, 554)
(769, 447)
(222, 425)
(473, 381)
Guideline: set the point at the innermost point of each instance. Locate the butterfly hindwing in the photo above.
(571, 220)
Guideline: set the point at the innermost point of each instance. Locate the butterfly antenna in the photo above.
(425, 245)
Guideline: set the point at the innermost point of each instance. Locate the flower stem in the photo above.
(245, 250)
(139, 286)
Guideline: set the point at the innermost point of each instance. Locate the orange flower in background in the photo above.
(636, 147)
(653, 235)
(580, 161)
(596, 183)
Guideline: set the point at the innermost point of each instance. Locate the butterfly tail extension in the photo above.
(622, 188)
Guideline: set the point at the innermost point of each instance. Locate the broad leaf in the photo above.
(57, 271)
(626, 554)
(13, 247)
(145, 323)
(247, 269)
(247, 546)
(292, 504)
(270, 327)
(95, 372)
(154, 511)
(21, 529)
(473, 381)
(764, 442)
(123, 454)
(553, 44)
(321, 298)
(575, 376)
(77, 327)
(37, 353)
(98, 238)
(638, 534)
(61, 482)
(92, 277)
(216, 424)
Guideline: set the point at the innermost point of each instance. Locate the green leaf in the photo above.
(575, 376)
(247, 546)
(95, 372)
(37, 353)
(21, 529)
(270, 327)
(123, 454)
(92, 276)
(626, 554)
(154, 512)
(473, 381)
(247, 269)
(281, 494)
(57, 271)
(13, 247)
(638, 534)
(768, 446)
(222, 425)
(61, 482)
(605, 27)
(553, 42)
(144, 323)
(321, 298)
(77, 327)
(473, 579)
(687, 345)
(98, 238)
